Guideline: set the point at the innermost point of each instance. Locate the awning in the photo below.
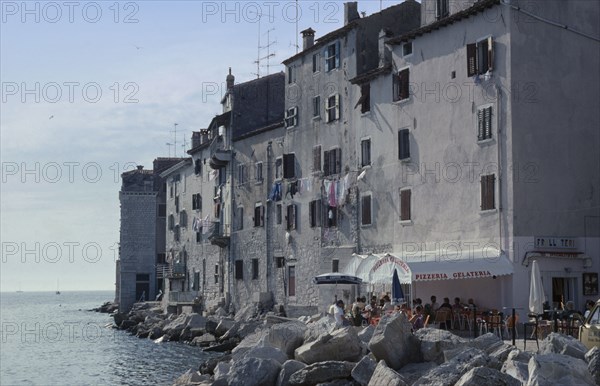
(472, 264)
(336, 278)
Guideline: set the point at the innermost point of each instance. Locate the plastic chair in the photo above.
(441, 317)
(508, 324)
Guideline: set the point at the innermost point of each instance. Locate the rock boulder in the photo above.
(384, 375)
(321, 372)
(341, 345)
(393, 341)
(253, 372)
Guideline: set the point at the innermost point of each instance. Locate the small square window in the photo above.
(365, 150)
(407, 49)
(405, 212)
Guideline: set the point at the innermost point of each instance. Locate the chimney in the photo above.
(308, 38)
(350, 12)
(140, 167)
(196, 139)
(230, 80)
(385, 54)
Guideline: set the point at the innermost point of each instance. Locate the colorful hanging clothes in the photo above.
(332, 195)
(275, 194)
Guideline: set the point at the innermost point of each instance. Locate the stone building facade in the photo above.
(142, 234)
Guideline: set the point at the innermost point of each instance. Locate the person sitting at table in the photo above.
(371, 309)
(431, 308)
(339, 315)
(588, 308)
(357, 310)
(418, 320)
(570, 310)
(471, 303)
(417, 302)
(387, 304)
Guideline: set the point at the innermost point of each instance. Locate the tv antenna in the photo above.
(260, 48)
(184, 146)
(175, 140)
(169, 145)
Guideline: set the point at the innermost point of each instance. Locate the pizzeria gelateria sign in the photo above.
(453, 275)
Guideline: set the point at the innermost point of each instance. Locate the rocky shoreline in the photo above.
(268, 349)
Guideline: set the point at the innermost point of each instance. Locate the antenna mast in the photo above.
(175, 141)
(260, 48)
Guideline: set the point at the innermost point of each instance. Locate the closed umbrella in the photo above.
(397, 294)
(536, 291)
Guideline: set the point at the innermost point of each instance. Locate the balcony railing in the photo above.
(163, 271)
(219, 234)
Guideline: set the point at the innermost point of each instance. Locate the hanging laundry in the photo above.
(326, 185)
(332, 195)
(275, 194)
(292, 189)
(341, 193)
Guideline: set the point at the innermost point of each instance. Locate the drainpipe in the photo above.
(269, 222)
(499, 159)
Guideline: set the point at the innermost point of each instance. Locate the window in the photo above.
(480, 57)
(365, 98)
(279, 214)
(171, 222)
(254, 269)
(196, 285)
(332, 162)
(335, 265)
(197, 202)
(484, 123)
(259, 215)
(365, 204)
(183, 218)
(314, 213)
(289, 165)
(239, 269)
(291, 280)
(442, 9)
(162, 210)
(488, 183)
(291, 117)
(199, 236)
(171, 190)
(278, 168)
(365, 151)
(242, 175)
(258, 172)
(280, 261)
(316, 62)
(401, 86)
(240, 218)
(403, 144)
(160, 258)
(316, 106)
(198, 167)
(405, 205)
(332, 56)
(176, 232)
(291, 74)
(317, 158)
(216, 273)
(332, 108)
(291, 217)
(177, 204)
(331, 216)
(407, 49)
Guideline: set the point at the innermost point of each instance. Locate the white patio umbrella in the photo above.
(536, 291)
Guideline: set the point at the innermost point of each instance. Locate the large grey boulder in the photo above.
(562, 344)
(174, 328)
(222, 370)
(485, 376)
(366, 334)
(204, 340)
(267, 352)
(320, 372)
(223, 326)
(487, 342)
(190, 377)
(433, 342)
(364, 369)
(341, 345)
(318, 328)
(255, 339)
(245, 313)
(413, 371)
(384, 375)
(394, 342)
(287, 336)
(517, 365)
(287, 369)
(557, 369)
(448, 373)
(592, 358)
(253, 372)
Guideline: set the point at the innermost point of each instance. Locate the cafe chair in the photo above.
(441, 318)
(508, 324)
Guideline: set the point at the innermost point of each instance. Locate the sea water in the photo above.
(54, 339)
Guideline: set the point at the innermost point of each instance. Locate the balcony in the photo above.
(219, 156)
(176, 271)
(182, 296)
(163, 271)
(218, 234)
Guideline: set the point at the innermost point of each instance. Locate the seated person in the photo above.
(339, 315)
(387, 304)
(457, 306)
(418, 319)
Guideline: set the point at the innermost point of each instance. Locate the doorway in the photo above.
(563, 290)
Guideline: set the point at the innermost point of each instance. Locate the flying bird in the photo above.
(51, 116)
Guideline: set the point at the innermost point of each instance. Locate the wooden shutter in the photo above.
(291, 217)
(488, 192)
(289, 163)
(471, 59)
(366, 210)
(262, 216)
(311, 214)
(338, 160)
(487, 113)
(403, 144)
(337, 54)
(337, 107)
(480, 124)
(317, 158)
(405, 205)
(326, 167)
(239, 269)
(490, 53)
(403, 84)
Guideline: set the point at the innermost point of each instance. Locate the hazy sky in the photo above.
(90, 89)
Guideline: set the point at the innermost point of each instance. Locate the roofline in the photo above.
(372, 74)
(464, 14)
(325, 39)
(176, 167)
(259, 131)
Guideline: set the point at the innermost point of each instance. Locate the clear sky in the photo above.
(90, 89)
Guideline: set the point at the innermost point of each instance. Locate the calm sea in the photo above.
(50, 339)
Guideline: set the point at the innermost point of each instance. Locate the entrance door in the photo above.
(142, 287)
(563, 290)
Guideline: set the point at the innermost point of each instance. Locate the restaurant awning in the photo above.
(472, 264)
